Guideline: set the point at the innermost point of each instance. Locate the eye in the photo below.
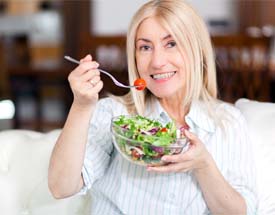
(144, 48)
(171, 44)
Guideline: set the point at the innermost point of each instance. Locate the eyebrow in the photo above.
(167, 37)
(147, 40)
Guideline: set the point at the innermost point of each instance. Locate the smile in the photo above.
(163, 75)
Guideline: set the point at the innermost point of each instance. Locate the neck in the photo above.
(175, 109)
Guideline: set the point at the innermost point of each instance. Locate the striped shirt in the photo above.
(119, 187)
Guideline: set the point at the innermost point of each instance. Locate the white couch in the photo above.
(24, 160)
(24, 157)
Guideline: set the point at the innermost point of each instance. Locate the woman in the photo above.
(168, 46)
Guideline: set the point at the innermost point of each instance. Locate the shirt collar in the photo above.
(196, 117)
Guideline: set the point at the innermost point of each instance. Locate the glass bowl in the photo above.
(142, 147)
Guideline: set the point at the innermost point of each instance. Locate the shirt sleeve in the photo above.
(241, 173)
(99, 146)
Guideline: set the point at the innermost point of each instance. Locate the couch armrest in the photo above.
(260, 118)
(24, 160)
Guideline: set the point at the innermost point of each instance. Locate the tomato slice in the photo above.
(164, 129)
(140, 84)
(135, 154)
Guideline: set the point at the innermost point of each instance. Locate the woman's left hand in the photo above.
(196, 158)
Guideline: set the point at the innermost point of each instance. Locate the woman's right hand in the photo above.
(85, 82)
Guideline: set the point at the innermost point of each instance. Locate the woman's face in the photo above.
(159, 61)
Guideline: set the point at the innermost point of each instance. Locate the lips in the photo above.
(163, 75)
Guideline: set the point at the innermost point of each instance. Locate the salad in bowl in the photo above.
(144, 141)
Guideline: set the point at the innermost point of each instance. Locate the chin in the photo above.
(163, 94)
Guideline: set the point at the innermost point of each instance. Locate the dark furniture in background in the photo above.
(255, 13)
(243, 67)
(39, 80)
(40, 84)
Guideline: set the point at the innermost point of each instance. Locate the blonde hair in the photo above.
(193, 40)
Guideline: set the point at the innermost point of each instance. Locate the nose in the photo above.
(159, 58)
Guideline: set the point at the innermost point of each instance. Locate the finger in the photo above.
(94, 80)
(169, 168)
(88, 57)
(96, 88)
(83, 81)
(192, 137)
(161, 169)
(90, 74)
(85, 67)
(176, 158)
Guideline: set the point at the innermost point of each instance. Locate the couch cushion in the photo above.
(260, 117)
(24, 160)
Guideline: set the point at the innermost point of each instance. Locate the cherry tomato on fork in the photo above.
(164, 129)
(140, 84)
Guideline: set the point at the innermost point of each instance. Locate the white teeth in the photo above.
(163, 75)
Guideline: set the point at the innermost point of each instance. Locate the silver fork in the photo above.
(116, 82)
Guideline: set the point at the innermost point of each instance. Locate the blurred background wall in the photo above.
(104, 10)
(36, 34)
